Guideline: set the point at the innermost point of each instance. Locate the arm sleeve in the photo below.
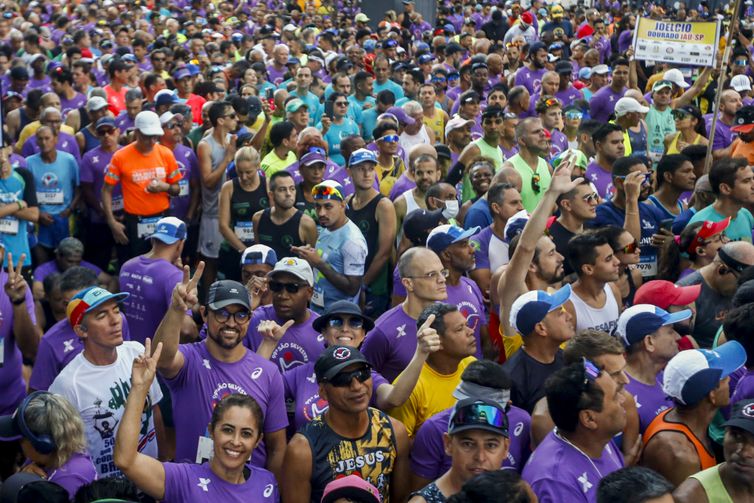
(30, 192)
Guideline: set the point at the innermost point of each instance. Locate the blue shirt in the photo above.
(312, 102)
(740, 227)
(479, 214)
(13, 232)
(389, 85)
(335, 134)
(368, 123)
(55, 182)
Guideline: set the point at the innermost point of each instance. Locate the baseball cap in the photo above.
(165, 97)
(527, 17)
(662, 84)
(259, 254)
(675, 76)
(579, 158)
(361, 18)
(641, 320)
(95, 103)
(556, 11)
(740, 83)
(744, 121)
(600, 69)
(148, 123)
(89, 299)
(493, 111)
(295, 266)
(585, 73)
(24, 487)
(314, 156)
(225, 293)
(536, 46)
(352, 488)
(692, 374)
(515, 225)
(445, 235)
(664, 294)
(563, 67)
(418, 223)
(329, 189)
(361, 156)
(706, 231)
(401, 115)
(104, 122)
(294, 105)
(169, 230)
(425, 58)
(334, 359)
(69, 246)
(532, 307)
(181, 73)
(443, 151)
(478, 414)
(341, 307)
(19, 73)
(742, 415)
(627, 105)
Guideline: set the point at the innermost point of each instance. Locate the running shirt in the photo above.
(189, 482)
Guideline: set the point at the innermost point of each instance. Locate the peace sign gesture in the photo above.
(185, 292)
(15, 286)
(145, 365)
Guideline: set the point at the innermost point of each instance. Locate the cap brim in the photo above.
(152, 132)
(678, 316)
(8, 429)
(228, 302)
(560, 297)
(483, 427)
(165, 238)
(642, 109)
(687, 294)
(743, 128)
(684, 85)
(744, 424)
(117, 297)
(333, 371)
(731, 357)
(272, 274)
(467, 234)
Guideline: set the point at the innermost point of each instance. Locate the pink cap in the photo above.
(351, 486)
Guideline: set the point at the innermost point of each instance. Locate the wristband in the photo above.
(20, 206)
(19, 301)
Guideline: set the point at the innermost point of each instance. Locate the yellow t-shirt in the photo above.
(437, 124)
(272, 163)
(433, 393)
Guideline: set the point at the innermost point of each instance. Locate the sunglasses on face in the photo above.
(344, 379)
(339, 322)
(573, 115)
(493, 120)
(631, 247)
(591, 197)
(341, 103)
(679, 115)
(173, 125)
(277, 287)
(389, 138)
(438, 80)
(105, 132)
(239, 317)
(230, 116)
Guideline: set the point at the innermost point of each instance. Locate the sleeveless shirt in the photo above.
(372, 455)
(658, 424)
(490, 151)
(713, 485)
(211, 196)
(243, 205)
(279, 237)
(90, 141)
(602, 318)
(366, 221)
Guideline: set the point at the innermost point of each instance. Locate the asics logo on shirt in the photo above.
(584, 481)
(205, 362)
(268, 490)
(203, 483)
(401, 331)
(312, 378)
(257, 372)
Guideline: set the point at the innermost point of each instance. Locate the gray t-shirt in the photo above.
(211, 197)
(711, 308)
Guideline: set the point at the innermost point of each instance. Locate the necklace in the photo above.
(568, 442)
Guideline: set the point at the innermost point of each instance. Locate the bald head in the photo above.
(421, 149)
(702, 184)
(407, 264)
(508, 175)
(741, 251)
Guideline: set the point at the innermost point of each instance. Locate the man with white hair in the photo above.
(277, 69)
(417, 133)
(52, 118)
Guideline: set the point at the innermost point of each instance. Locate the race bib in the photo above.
(117, 203)
(9, 225)
(244, 231)
(184, 188)
(648, 266)
(318, 299)
(50, 197)
(146, 226)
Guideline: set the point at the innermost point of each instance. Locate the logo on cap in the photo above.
(233, 290)
(290, 261)
(748, 410)
(341, 353)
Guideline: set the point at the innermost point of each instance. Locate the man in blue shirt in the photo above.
(303, 92)
(18, 205)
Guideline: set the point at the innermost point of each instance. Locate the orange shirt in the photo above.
(743, 149)
(135, 171)
(116, 101)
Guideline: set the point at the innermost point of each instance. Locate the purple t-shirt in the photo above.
(276, 76)
(12, 385)
(402, 184)
(558, 472)
(58, 346)
(66, 143)
(428, 457)
(602, 180)
(569, 95)
(467, 296)
(723, 135)
(92, 170)
(78, 101)
(124, 122)
(44, 84)
(744, 387)
(530, 79)
(74, 473)
(150, 283)
(203, 381)
(188, 165)
(302, 391)
(602, 104)
(189, 482)
(650, 400)
(559, 143)
(44, 270)
(301, 344)
(391, 344)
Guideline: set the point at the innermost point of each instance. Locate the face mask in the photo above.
(451, 209)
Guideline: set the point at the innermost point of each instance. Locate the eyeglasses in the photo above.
(679, 115)
(535, 186)
(229, 116)
(573, 115)
(591, 197)
(432, 275)
(492, 120)
(717, 238)
(339, 322)
(341, 103)
(438, 80)
(389, 138)
(277, 287)
(480, 414)
(222, 315)
(173, 125)
(344, 379)
(631, 247)
(453, 77)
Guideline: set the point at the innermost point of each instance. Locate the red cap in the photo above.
(527, 17)
(585, 31)
(706, 231)
(664, 294)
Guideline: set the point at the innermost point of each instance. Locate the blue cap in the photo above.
(361, 156)
(445, 235)
(104, 122)
(585, 73)
(641, 320)
(259, 254)
(370, 45)
(292, 60)
(389, 43)
(422, 47)
(449, 28)
(89, 299)
(425, 58)
(166, 97)
(193, 69)
(181, 73)
(169, 230)
(532, 307)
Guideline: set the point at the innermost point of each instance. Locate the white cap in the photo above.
(675, 76)
(259, 254)
(627, 105)
(148, 123)
(740, 83)
(296, 266)
(166, 117)
(457, 122)
(95, 103)
(600, 69)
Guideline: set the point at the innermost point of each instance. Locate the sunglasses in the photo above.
(574, 115)
(239, 317)
(229, 116)
(326, 192)
(344, 379)
(338, 322)
(535, 186)
(277, 287)
(591, 197)
(389, 138)
(591, 373)
(679, 114)
(631, 247)
(438, 80)
(173, 125)
(341, 103)
(105, 132)
(480, 414)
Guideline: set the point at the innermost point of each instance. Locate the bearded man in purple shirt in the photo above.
(602, 104)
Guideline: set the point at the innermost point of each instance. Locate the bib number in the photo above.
(648, 266)
(50, 197)
(318, 299)
(117, 203)
(146, 226)
(9, 225)
(183, 185)
(244, 231)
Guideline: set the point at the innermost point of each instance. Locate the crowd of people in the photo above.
(269, 251)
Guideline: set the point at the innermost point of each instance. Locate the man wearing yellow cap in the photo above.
(561, 29)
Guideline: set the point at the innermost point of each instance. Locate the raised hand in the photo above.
(561, 178)
(273, 332)
(15, 286)
(632, 185)
(185, 292)
(257, 288)
(145, 365)
(427, 338)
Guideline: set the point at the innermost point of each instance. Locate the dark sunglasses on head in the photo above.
(480, 414)
(344, 379)
(339, 322)
(277, 287)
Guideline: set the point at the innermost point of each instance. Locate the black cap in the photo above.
(227, 293)
(536, 46)
(24, 487)
(255, 106)
(453, 47)
(744, 116)
(19, 73)
(563, 67)
(478, 64)
(742, 415)
(478, 414)
(418, 224)
(493, 111)
(341, 307)
(443, 151)
(468, 96)
(334, 359)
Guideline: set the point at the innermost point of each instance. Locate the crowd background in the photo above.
(285, 251)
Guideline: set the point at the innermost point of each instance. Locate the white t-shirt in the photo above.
(99, 393)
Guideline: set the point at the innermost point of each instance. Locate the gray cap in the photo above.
(70, 246)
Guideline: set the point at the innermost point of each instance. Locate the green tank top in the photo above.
(713, 485)
(529, 196)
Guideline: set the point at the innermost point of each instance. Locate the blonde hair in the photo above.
(248, 154)
(53, 415)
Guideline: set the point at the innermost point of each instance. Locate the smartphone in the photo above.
(270, 95)
(667, 223)
(329, 109)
